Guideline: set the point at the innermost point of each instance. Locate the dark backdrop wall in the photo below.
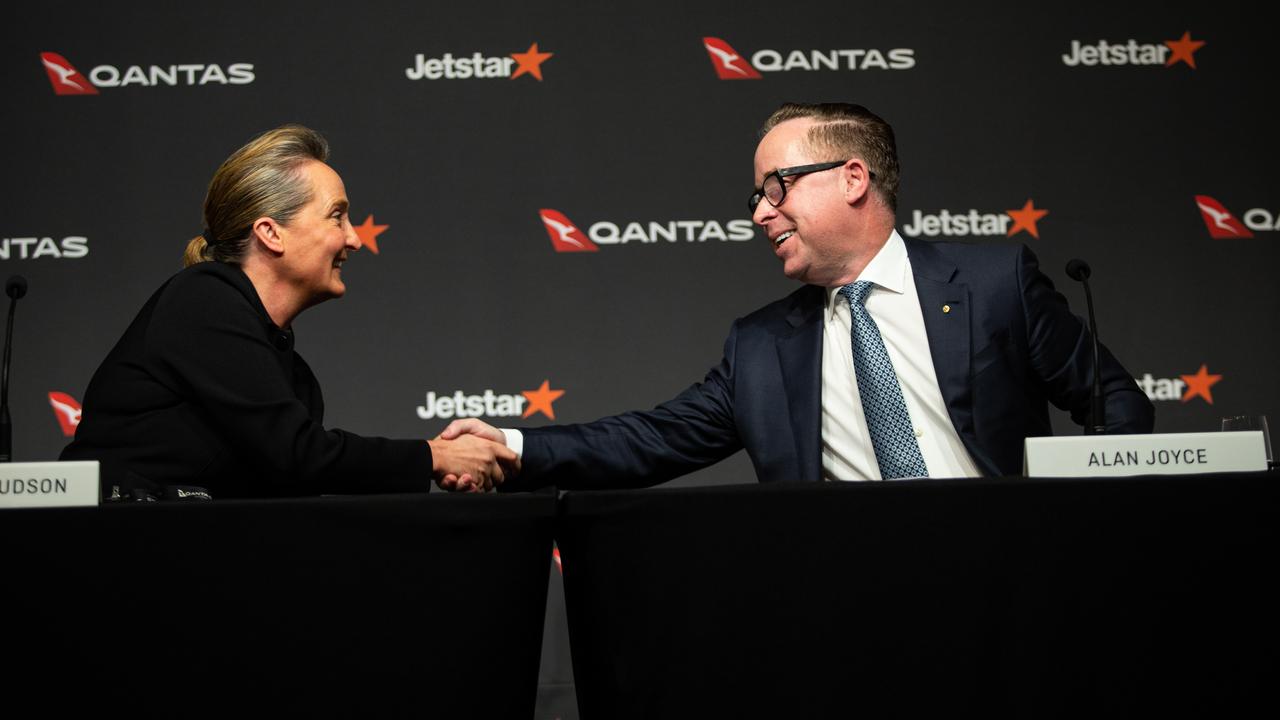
(473, 136)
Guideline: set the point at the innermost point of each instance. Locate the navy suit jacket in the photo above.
(1006, 348)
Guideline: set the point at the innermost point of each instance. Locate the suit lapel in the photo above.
(800, 358)
(946, 308)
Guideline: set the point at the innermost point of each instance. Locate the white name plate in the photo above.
(1167, 454)
(49, 484)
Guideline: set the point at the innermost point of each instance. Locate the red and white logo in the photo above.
(565, 236)
(64, 78)
(1222, 225)
(729, 65)
(67, 410)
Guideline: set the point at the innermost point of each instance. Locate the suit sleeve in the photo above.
(211, 346)
(1062, 355)
(637, 449)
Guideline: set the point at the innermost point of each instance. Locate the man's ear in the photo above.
(267, 234)
(856, 178)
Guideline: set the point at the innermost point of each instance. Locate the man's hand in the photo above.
(470, 463)
(471, 426)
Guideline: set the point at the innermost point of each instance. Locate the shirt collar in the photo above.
(888, 270)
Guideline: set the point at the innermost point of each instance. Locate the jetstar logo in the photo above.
(478, 65)
(729, 64)
(567, 237)
(67, 410)
(369, 232)
(1132, 52)
(459, 404)
(1222, 225)
(975, 222)
(32, 248)
(66, 80)
(1182, 388)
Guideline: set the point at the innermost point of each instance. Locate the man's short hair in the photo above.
(843, 131)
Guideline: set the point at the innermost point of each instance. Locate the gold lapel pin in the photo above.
(946, 308)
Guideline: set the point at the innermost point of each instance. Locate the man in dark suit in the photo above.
(899, 358)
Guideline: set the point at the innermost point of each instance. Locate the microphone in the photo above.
(1078, 270)
(15, 288)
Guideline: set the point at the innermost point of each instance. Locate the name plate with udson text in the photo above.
(49, 484)
(1165, 454)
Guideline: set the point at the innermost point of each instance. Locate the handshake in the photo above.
(472, 456)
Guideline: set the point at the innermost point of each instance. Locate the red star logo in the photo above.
(540, 400)
(1025, 219)
(1199, 384)
(530, 62)
(1182, 50)
(369, 233)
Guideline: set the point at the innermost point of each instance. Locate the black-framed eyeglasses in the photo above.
(775, 191)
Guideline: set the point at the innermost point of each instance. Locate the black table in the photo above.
(1015, 597)
(359, 606)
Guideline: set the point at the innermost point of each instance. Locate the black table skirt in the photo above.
(423, 605)
(1015, 597)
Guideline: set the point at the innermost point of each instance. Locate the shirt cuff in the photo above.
(514, 440)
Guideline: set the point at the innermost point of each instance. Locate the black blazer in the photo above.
(1007, 346)
(205, 390)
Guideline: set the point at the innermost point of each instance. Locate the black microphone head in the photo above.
(16, 287)
(1078, 269)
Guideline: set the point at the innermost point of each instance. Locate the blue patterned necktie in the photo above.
(897, 452)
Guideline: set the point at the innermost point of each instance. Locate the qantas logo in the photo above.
(31, 248)
(729, 64)
(1168, 53)
(447, 406)
(567, 237)
(1182, 388)
(66, 80)
(975, 222)
(67, 410)
(477, 65)
(1222, 225)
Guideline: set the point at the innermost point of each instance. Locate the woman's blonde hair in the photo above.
(261, 179)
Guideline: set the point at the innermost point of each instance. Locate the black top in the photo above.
(204, 389)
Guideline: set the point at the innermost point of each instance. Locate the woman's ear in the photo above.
(267, 233)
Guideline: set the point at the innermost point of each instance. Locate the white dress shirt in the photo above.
(847, 452)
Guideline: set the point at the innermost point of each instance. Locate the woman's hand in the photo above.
(471, 463)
